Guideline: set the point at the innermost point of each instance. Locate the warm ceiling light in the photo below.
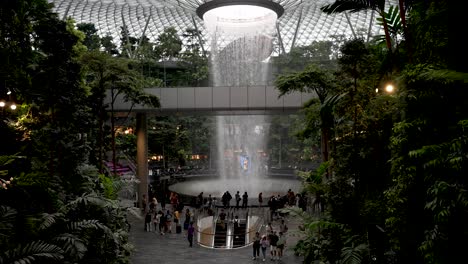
(389, 88)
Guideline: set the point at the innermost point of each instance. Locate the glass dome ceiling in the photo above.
(302, 22)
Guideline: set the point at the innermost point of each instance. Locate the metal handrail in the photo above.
(250, 231)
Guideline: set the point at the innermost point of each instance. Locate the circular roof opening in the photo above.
(240, 10)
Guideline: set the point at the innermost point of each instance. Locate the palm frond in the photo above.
(353, 255)
(71, 244)
(47, 220)
(32, 252)
(7, 218)
(87, 199)
(90, 224)
(340, 6)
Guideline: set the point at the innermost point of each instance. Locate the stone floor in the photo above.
(151, 247)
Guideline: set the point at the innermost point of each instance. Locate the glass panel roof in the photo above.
(302, 22)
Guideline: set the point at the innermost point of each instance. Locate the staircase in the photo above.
(119, 168)
(220, 236)
(239, 235)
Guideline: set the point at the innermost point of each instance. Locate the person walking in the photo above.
(190, 232)
(256, 246)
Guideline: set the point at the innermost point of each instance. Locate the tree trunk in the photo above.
(114, 161)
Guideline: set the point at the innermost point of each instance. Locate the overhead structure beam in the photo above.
(200, 39)
(146, 26)
(280, 40)
(299, 20)
(67, 10)
(350, 25)
(126, 33)
(369, 32)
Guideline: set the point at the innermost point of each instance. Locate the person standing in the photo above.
(153, 205)
(269, 229)
(162, 222)
(245, 199)
(156, 219)
(260, 200)
(210, 201)
(264, 243)
(144, 203)
(224, 200)
(148, 217)
(169, 221)
(283, 227)
(238, 199)
(280, 245)
(190, 232)
(228, 198)
(200, 200)
(187, 220)
(273, 242)
(256, 246)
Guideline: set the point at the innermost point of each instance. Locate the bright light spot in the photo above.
(389, 88)
(9, 92)
(13, 107)
(239, 12)
(2, 104)
(240, 20)
(376, 90)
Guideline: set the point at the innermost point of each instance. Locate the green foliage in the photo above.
(354, 255)
(395, 28)
(92, 40)
(312, 79)
(33, 252)
(168, 44)
(53, 209)
(110, 186)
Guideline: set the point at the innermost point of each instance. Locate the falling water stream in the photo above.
(241, 45)
(242, 42)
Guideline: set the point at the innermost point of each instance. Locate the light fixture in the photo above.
(2, 104)
(13, 106)
(389, 88)
(8, 91)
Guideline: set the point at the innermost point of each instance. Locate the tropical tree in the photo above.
(44, 179)
(168, 47)
(109, 74)
(312, 79)
(340, 6)
(92, 40)
(193, 59)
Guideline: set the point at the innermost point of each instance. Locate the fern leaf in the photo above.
(71, 244)
(32, 252)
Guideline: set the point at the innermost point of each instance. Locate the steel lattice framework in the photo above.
(302, 22)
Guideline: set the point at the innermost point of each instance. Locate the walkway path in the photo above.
(173, 248)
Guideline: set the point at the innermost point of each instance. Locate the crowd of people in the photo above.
(161, 220)
(273, 241)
